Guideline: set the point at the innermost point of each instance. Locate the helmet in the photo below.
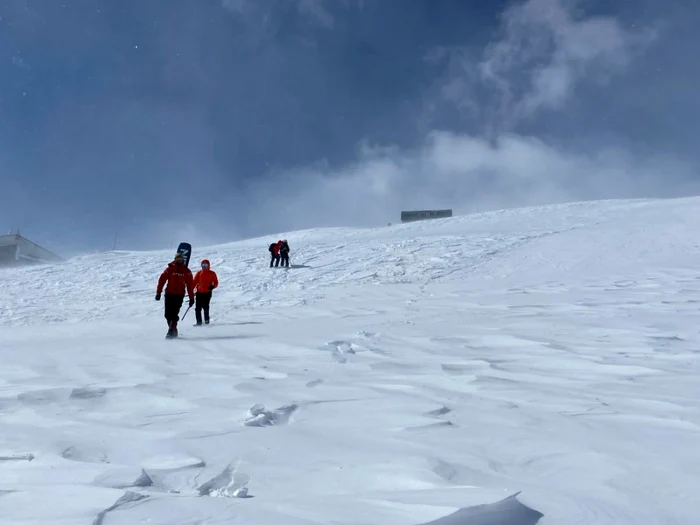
(205, 263)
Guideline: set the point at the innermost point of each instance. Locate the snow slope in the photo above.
(526, 366)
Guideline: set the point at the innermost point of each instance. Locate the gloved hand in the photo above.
(157, 297)
(191, 303)
(211, 287)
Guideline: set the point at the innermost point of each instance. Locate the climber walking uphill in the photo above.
(279, 251)
(274, 250)
(205, 281)
(179, 279)
(284, 253)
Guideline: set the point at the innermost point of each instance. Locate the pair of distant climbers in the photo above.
(180, 280)
(279, 252)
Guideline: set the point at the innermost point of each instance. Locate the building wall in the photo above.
(31, 251)
(16, 250)
(8, 254)
(9, 240)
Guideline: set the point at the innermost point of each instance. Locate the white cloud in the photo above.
(544, 51)
(461, 172)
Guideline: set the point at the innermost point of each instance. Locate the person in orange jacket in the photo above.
(274, 250)
(205, 281)
(179, 279)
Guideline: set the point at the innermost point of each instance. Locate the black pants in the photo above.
(285, 259)
(173, 303)
(275, 259)
(202, 303)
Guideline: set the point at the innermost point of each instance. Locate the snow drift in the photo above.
(535, 365)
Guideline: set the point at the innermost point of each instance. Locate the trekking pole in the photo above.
(188, 309)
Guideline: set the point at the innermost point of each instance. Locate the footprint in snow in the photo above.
(339, 349)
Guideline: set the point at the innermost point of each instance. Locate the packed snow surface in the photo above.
(530, 366)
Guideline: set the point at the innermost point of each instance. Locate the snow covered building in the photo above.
(421, 215)
(15, 250)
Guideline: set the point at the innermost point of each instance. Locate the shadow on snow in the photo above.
(218, 337)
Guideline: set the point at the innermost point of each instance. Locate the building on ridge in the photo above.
(422, 215)
(16, 250)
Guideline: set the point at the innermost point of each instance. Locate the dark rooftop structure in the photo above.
(422, 215)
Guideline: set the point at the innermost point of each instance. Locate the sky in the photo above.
(142, 124)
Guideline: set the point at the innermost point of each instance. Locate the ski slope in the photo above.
(535, 365)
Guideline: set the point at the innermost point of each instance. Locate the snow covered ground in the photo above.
(518, 367)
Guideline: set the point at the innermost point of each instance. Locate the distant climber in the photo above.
(284, 253)
(205, 281)
(274, 250)
(179, 279)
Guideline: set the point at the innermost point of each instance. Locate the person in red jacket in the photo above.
(205, 281)
(274, 250)
(179, 279)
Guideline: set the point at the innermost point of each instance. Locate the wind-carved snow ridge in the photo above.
(532, 366)
(17, 457)
(124, 502)
(260, 417)
(229, 483)
(506, 512)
